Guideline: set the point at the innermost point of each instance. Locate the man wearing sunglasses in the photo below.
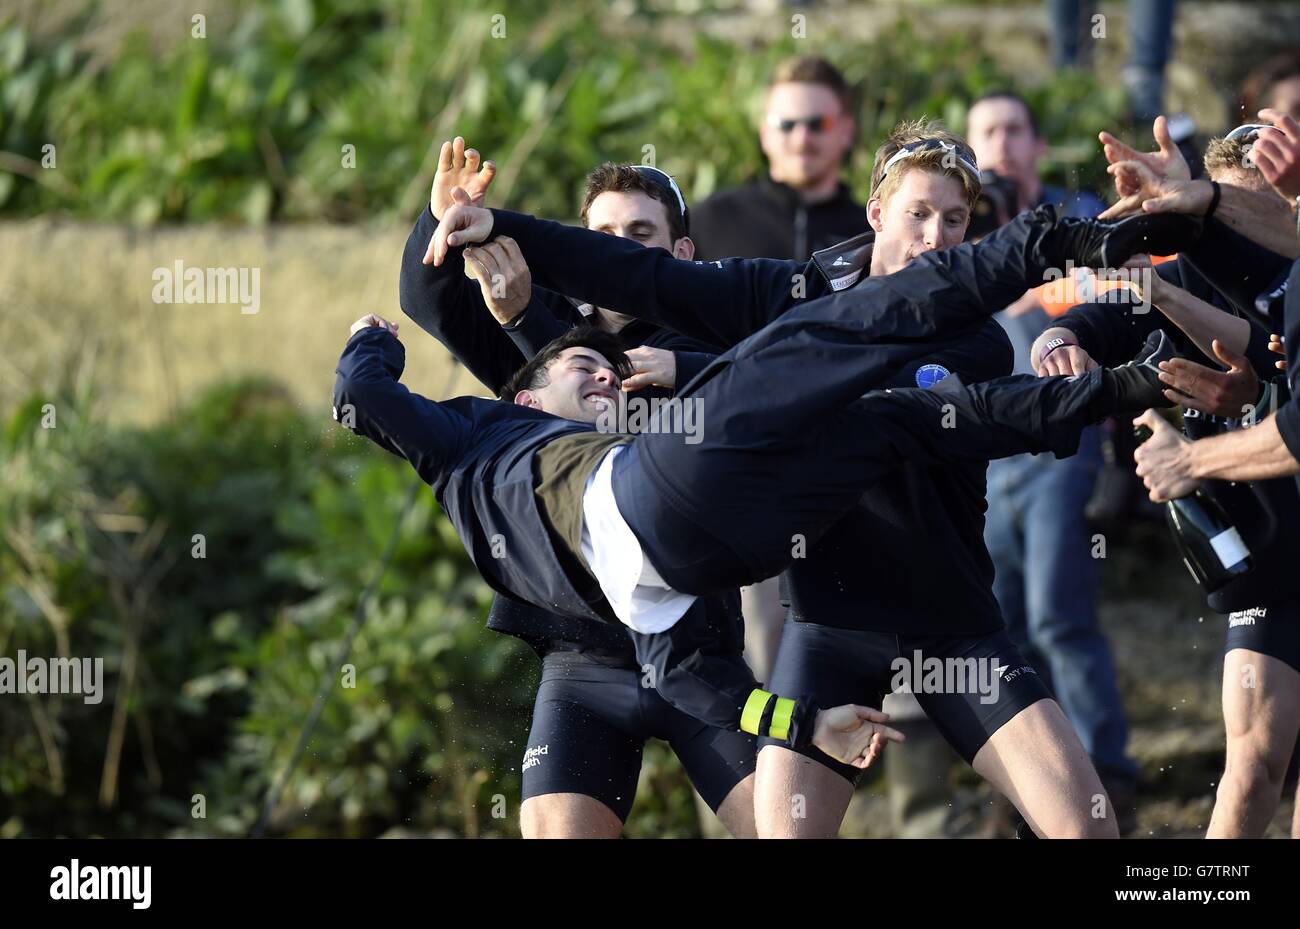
(801, 205)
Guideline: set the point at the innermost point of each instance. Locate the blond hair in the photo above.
(1224, 158)
(941, 160)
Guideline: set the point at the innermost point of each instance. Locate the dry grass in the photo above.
(68, 290)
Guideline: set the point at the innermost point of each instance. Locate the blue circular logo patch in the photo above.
(929, 375)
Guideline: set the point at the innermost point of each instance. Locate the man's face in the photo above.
(1285, 96)
(804, 157)
(641, 218)
(582, 386)
(927, 212)
(999, 133)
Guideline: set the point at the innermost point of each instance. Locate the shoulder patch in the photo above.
(929, 375)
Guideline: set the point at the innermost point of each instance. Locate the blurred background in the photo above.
(299, 137)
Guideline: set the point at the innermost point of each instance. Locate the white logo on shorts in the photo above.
(1246, 617)
(533, 756)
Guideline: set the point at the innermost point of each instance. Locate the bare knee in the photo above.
(568, 816)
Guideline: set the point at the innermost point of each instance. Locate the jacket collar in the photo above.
(845, 263)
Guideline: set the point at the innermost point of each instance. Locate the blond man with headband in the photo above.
(920, 524)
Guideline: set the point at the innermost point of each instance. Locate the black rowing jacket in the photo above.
(877, 568)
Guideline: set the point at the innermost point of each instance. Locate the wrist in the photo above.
(1055, 339)
(1191, 461)
(510, 317)
(1215, 192)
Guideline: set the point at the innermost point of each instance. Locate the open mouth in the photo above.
(598, 397)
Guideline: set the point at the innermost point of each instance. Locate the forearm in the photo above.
(717, 687)
(1254, 454)
(717, 305)
(1261, 216)
(371, 401)
(1201, 322)
(535, 328)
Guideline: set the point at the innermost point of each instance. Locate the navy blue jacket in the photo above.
(922, 522)
(478, 457)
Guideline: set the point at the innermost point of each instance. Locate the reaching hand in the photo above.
(459, 167)
(1066, 358)
(1161, 462)
(502, 275)
(1219, 393)
(1151, 193)
(651, 367)
(371, 320)
(462, 224)
(1168, 162)
(853, 735)
(1277, 154)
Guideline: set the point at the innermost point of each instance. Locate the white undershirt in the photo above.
(634, 589)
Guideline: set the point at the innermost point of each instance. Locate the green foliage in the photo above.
(228, 650)
(251, 123)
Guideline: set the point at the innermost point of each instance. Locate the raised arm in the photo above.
(369, 400)
(720, 303)
(1260, 216)
(449, 305)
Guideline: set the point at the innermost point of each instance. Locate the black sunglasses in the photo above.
(818, 124)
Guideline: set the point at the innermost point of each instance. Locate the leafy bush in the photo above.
(251, 123)
(216, 660)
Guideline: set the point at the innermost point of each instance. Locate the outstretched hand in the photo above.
(1166, 162)
(1276, 153)
(1148, 192)
(458, 166)
(1229, 393)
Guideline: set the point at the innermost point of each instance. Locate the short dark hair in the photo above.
(1007, 94)
(537, 373)
(616, 178)
(812, 69)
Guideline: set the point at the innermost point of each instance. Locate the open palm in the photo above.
(459, 167)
